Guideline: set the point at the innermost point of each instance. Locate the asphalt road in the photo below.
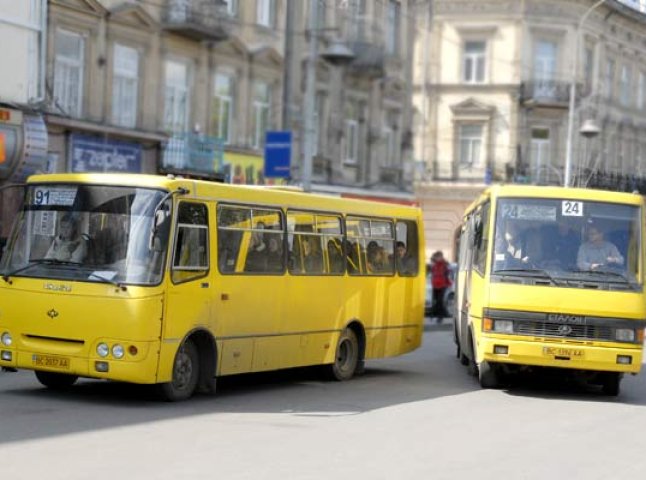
(416, 416)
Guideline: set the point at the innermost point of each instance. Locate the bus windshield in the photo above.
(568, 240)
(89, 233)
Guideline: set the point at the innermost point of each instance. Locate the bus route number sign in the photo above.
(63, 197)
(572, 209)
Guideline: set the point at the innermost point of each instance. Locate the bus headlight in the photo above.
(7, 340)
(102, 350)
(504, 326)
(117, 351)
(625, 334)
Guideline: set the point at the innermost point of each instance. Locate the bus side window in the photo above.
(407, 248)
(191, 259)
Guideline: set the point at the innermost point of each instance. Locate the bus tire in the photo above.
(611, 382)
(346, 358)
(489, 375)
(186, 370)
(55, 380)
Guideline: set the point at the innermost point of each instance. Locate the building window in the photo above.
(641, 90)
(68, 72)
(474, 61)
(610, 78)
(265, 13)
(351, 150)
(545, 69)
(319, 125)
(125, 86)
(588, 68)
(390, 136)
(470, 145)
(176, 97)
(540, 148)
(231, 7)
(261, 106)
(393, 27)
(625, 86)
(223, 105)
(356, 19)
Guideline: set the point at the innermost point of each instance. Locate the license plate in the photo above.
(50, 361)
(572, 353)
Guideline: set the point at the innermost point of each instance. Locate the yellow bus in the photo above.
(170, 281)
(551, 277)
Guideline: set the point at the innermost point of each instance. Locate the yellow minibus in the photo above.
(175, 282)
(551, 277)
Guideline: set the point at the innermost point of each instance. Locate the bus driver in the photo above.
(68, 246)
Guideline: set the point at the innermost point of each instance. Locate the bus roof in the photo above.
(536, 191)
(284, 197)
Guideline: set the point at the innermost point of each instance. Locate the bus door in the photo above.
(190, 292)
(251, 288)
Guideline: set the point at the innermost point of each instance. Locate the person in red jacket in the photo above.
(440, 281)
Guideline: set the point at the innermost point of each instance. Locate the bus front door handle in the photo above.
(204, 285)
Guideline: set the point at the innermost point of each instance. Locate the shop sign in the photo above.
(96, 154)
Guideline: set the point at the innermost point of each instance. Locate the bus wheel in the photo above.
(489, 375)
(185, 374)
(610, 384)
(54, 380)
(347, 356)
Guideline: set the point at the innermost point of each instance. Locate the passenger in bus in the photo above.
(405, 263)
(509, 249)
(597, 253)
(274, 254)
(312, 259)
(377, 261)
(68, 245)
(565, 245)
(257, 251)
(335, 256)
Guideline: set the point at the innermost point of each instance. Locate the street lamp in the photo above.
(336, 54)
(570, 124)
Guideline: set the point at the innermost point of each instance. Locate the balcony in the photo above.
(366, 40)
(549, 93)
(196, 19)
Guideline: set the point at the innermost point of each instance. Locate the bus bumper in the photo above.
(560, 355)
(128, 369)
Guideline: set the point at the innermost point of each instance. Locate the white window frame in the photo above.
(390, 134)
(540, 150)
(393, 27)
(625, 84)
(351, 141)
(125, 85)
(222, 100)
(265, 14)
(64, 66)
(173, 94)
(474, 145)
(545, 68)
(609, 77)
(641, 89)
(231, 7)
(261, 109)
(474, 64)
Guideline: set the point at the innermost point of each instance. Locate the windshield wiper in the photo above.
(604, 273)
(538, 272)
(39, 261)
(108, 280)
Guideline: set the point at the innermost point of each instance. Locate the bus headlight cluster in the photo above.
(6, 339)
(503, 326)
(625, 334)
(103, 350)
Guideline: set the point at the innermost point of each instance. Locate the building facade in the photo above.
(192, 87)
(492, 83)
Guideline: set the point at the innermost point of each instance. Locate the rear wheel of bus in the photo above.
(346, 358)
(55, 380)
(185, 374)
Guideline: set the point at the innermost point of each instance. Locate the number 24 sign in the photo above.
(571, 209)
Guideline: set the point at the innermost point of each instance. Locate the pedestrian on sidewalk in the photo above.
(440, 281)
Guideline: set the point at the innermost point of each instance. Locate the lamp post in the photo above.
(336, 54)
(570, 124)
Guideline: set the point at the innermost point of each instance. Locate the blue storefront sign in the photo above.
(278, 154)
(96, 154)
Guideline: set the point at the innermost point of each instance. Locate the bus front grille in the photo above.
(580, 332)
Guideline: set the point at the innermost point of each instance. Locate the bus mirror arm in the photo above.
(159, 218)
